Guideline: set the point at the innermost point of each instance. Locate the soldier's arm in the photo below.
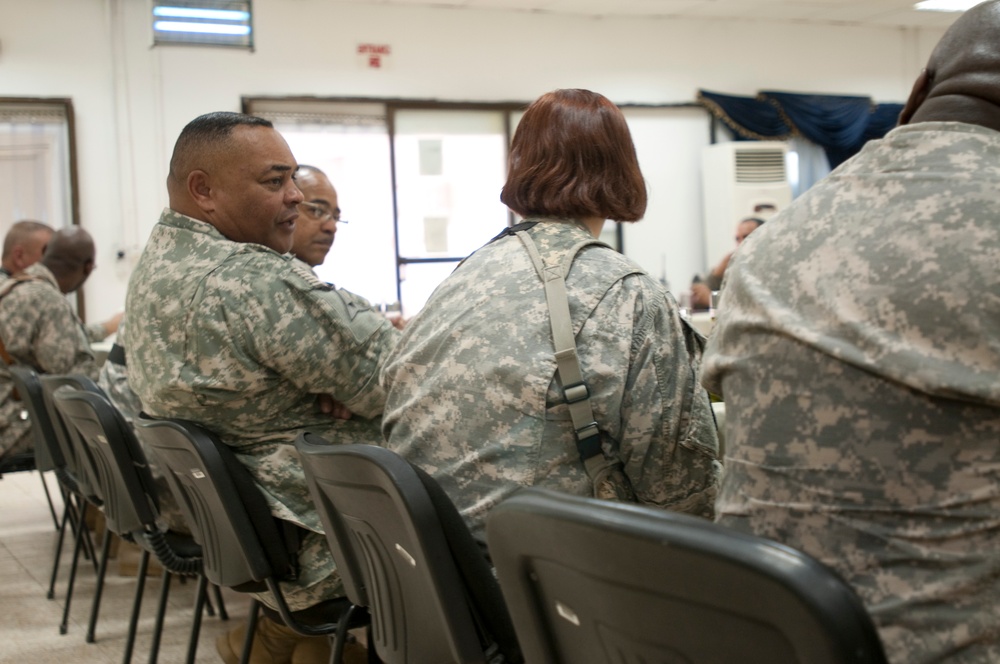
(669, 443)
(325, 341)
(58, 343)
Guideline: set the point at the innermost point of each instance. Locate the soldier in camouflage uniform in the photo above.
(23, 246)
(311, 241)
(227, 330)
(858, 351)
(40, 330)
(473, 396)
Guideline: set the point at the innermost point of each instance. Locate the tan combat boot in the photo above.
(273, 643)
(317, 651)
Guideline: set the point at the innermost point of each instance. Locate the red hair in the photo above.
(572, 157)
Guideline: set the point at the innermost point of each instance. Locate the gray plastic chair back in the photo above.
(243, 547)
(596, 581)
(126, 485)
(74, 452)
(398, 554)
(205, 489)
(48, 455)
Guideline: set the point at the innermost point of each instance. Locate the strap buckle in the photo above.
(576, 392)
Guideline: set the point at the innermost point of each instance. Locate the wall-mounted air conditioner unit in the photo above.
(740, 179)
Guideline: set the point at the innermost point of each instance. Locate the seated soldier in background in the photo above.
(228, 331)
(858, 352)
(23, 246)
(701, 289)
(39, 329)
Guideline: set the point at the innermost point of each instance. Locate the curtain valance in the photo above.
(840, 124)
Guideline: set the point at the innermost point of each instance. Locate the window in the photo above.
(419, 183)
(38, 164)
(203, 22)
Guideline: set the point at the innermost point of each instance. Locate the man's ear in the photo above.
(200, 190)
(921, 88)
(17, 257)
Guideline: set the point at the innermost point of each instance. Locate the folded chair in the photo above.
(131, 509)
(403, 551)
(596, 581)
(245, 547)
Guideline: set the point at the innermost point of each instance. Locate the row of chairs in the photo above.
(99, 465)
(576, 580)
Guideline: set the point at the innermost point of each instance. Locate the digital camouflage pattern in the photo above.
(472, 397)
(113, 379)
(858, 352)
(39, 330)
(241, 339)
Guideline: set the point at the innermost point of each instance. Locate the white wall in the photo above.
(132, 100)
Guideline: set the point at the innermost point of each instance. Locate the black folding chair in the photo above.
(403, 550)
(597, 581)
(131, 509)
(76, 487)
(40, 458)
(79, 466)
(245, 547)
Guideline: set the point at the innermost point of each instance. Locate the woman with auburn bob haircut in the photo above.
(572, 158)
(474, 393)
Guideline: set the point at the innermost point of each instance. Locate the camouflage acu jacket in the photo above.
(858, 352)
(472, 396)
(39, 330)
(242, 340)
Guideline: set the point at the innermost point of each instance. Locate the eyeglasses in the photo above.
(321, 212)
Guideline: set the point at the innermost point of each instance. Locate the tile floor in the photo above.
(29, 623)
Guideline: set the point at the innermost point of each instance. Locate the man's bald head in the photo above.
(70, 257)
(962, 80)
(24, 244)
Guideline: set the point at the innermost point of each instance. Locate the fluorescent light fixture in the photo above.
(206, 14)
(203, 23)
(946, 5)
(201, 28)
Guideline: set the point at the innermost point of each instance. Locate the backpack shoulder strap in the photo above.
(603, 466)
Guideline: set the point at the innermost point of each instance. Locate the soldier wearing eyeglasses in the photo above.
(318, 216)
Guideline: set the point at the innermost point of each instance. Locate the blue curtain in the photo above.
(840, 124)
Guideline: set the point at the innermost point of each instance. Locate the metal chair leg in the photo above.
(95, 608)
(133, 622)
(80, 536)
(199, 606)
(58, 554)
(161, 610)
(251, 628)
(48, 497)
(223, 614)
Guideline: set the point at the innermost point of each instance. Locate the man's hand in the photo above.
(330, 406)
(701, 296)
(111, 324)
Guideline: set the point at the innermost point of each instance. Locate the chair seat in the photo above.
(15, 463)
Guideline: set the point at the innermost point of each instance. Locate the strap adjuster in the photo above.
(587, 431)
(576, 392)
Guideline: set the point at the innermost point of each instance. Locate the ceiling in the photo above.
(884, 13)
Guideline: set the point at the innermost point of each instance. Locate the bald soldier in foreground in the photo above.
(227, 330)
(858, 351)
(39, 329)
